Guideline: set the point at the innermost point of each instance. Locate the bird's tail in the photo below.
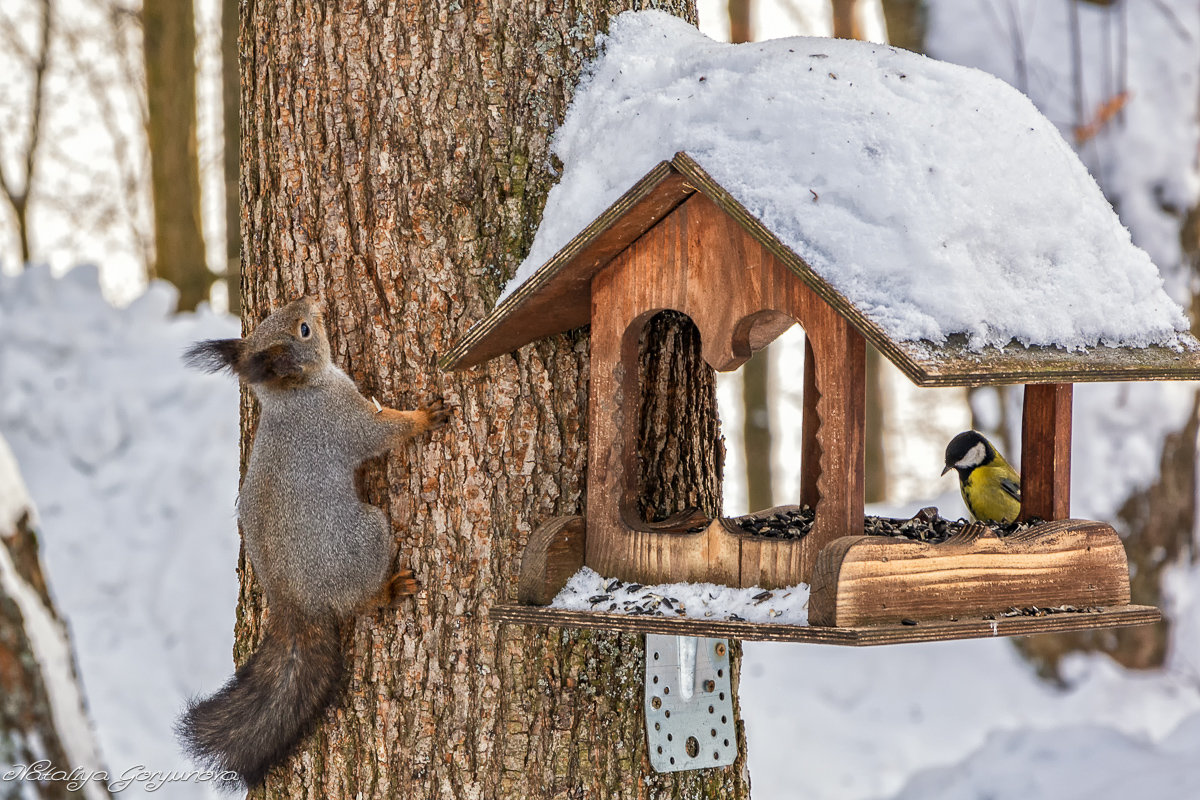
(253, 722)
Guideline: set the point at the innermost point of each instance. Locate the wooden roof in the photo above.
(557, 298)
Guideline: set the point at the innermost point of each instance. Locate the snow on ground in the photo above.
(132, 462)
(1072, 763)
(888, 172)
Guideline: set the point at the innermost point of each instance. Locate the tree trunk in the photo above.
(845, 20)
(29, 735)
(170, 53)
(231, 133)
(740, 23)
(874, 456)
(906, 23)
(396, 162)
(756, 430)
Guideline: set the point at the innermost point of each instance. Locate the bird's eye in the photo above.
(305, 331)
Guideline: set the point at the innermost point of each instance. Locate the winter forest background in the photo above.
(113, 171)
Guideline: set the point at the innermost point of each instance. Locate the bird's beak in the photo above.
(947, 468)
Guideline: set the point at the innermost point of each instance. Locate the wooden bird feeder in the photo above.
(677, 240)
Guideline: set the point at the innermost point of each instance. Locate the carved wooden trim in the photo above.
(700, 262)
(552, 555)
(876, 579)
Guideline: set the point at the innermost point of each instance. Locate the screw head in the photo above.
(720, 648)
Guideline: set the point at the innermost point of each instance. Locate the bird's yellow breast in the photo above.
(985, 496)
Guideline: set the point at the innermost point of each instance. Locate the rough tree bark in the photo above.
(231, 133)
(169, 31)
(395, 160)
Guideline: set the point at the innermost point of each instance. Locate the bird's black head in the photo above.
(967, 451)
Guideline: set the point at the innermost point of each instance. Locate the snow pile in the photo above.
(1079, 762)
(132, 462)
(587, 590)
(936, 198)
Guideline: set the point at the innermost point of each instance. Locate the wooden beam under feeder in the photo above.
(678, 240)
(966, 627)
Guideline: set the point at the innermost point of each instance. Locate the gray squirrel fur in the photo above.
(321, 555)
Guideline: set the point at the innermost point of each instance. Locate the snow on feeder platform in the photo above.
(870, 195)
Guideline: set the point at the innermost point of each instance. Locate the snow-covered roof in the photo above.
(931, 204)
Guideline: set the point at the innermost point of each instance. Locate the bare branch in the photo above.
(39, 95)
(18, 194)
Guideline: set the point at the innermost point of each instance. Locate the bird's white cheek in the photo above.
(973, 458)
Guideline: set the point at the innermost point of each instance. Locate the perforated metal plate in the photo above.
(689, 705)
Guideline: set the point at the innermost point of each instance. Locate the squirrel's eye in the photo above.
(304, 330)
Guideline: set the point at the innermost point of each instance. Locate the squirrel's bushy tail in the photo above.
(255, 719)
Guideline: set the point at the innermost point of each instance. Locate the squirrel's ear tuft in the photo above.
(277, 364)
(214, 355)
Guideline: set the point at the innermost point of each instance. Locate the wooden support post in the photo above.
(810, 451)
(1046, 452)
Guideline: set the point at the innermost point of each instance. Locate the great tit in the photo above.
(991, 488)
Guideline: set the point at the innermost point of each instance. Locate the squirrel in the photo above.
(322, 555)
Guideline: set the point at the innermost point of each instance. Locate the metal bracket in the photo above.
(689, 703)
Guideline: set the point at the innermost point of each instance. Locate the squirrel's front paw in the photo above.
(401, 585)
(435, 411)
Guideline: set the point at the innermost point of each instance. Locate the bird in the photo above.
(991, 488)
